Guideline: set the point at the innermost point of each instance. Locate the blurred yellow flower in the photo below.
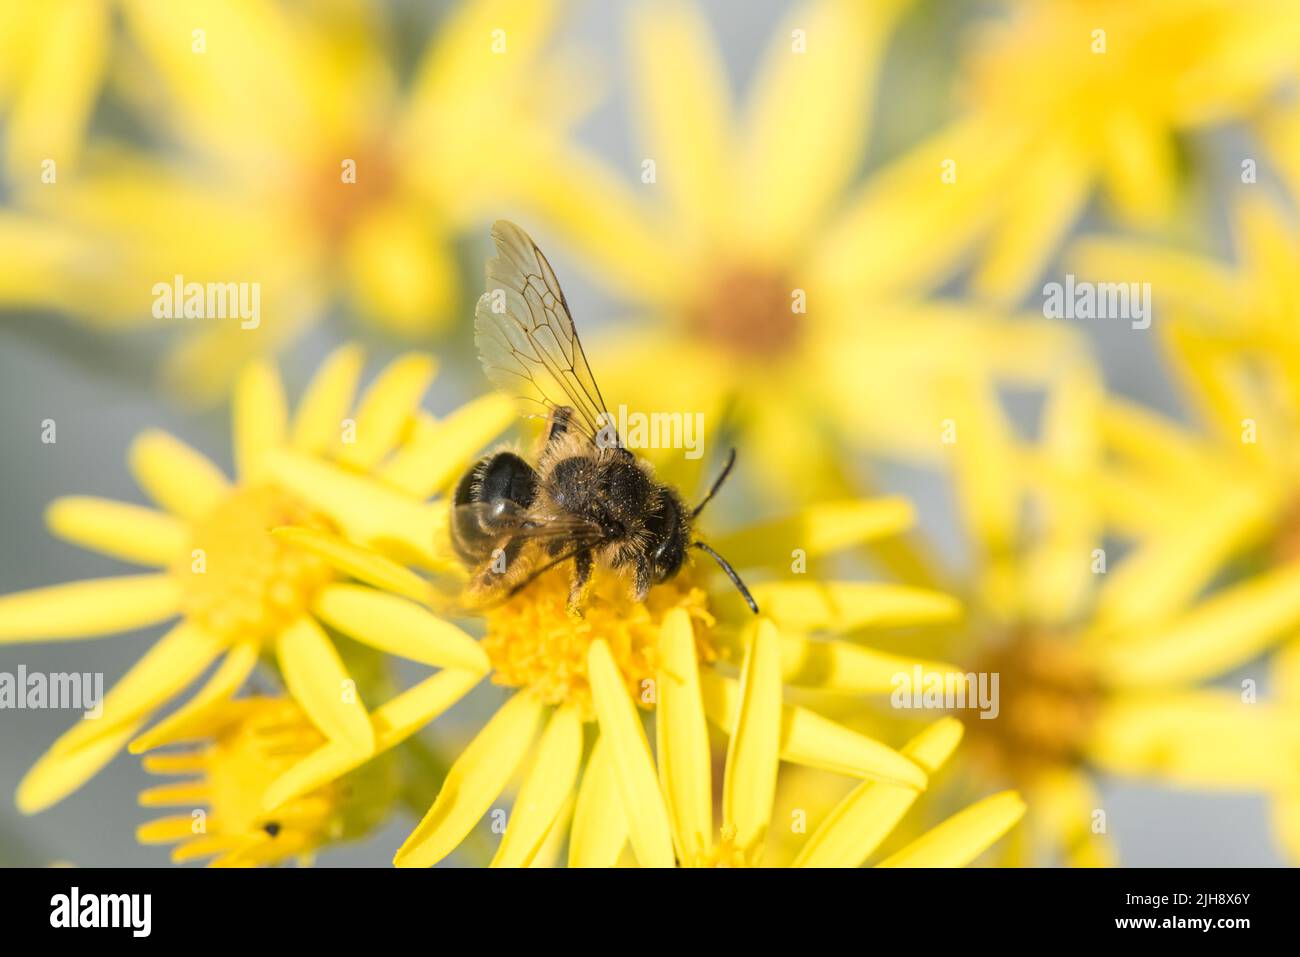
(1219, 507)
(1230, 336)
(1098, 672)
(784, 290)
(300, 162)
(235, 752)
(239, 585)
(1089, 94)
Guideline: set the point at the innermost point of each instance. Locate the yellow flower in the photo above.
(1218, 510)
(316, 172)
(1229, 332)
(684, 789)
(620, 656)
(237, 750)
(240, 587)
(1098, 670)
(764, 261)
(1085, 95)
(594, 672)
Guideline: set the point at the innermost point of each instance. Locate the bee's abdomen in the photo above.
(502, 479)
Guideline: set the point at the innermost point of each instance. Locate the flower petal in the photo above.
(599, 831)
(682, 737)
(647, 816)
(1198, 738)
(363, 564)
(684, 105)
(315, 676)
(801, 157)
(841, 666)
(475, 780)
(327, 763)
(1055, 185)
(754, 752)
(188, 720)
(808, 738)
(386, 409)
(846, 606)
(415, 707)
(1224, 631)
(88, 609)
(368, 512)
(1064, 803)
(964, 836)
(544, 792)
(166, 830)
(175, 660)
(434, 461)
(393, 722)
(819, 529)
(132, 533)
(399, 627)
(177, 477)
(48, 114)
(870, 812)
(1165, 571)
(318, 421)
(58, 773)
(261, 417)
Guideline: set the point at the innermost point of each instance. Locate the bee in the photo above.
(586, 498)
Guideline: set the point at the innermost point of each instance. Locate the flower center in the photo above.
(533, 642)
(340, 194)
(1048, 700)
(1285, 546)
(240, 581)
(752, 313)
(725, 853)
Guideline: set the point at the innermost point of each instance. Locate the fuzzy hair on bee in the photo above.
(586, 498)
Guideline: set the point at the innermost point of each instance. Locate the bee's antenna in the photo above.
(726, 565)
(717, 484)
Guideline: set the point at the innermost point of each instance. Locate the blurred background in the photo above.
(102, 387)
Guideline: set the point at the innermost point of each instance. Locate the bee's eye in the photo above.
(666, 558)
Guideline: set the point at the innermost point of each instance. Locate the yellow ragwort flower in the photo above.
(847, 836)
(235, 752)
(1089, 95)
(316, 171)
(763, 260)
(1099, 672)
(241, 585)
(593, 672)
(1220, 503)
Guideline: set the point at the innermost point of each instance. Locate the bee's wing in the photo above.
(526, 338)
(507, 520)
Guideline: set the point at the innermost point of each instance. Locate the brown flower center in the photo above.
(753, 314)
(1048, 700)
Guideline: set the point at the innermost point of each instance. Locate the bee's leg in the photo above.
(642, 586)
(580, 584)
(557, 423)
(501, 570)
